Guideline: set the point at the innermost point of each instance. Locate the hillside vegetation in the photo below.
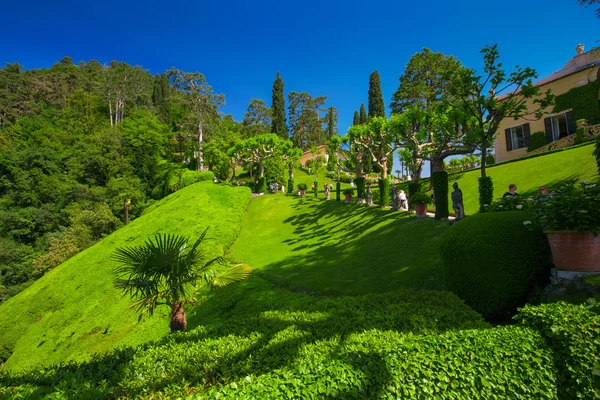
(74, 310)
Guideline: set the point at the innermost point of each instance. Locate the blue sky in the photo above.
(322, 47)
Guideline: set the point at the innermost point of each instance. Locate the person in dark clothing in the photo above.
(512, 191)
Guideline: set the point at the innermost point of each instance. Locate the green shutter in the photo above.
(508, 140)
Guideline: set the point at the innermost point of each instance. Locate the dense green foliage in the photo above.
(582, 100)
(385, 190)
(338, 186)
(356, 118)
(74, 311)
(573, 334)
(440, 188)
(261, 185)
(376, 105)
(491, 260)
(278, 126)
(486, 192)
(360, 187)
(278, 344)
(363, 114)
(597, 153)
(537, 140)
(290, 186)
(275, 170)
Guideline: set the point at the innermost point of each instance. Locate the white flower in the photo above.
(500, 206)
(584, 182)
(519, 206)
(527, 223)
(530, 199)
(591, 185)
(486, 205)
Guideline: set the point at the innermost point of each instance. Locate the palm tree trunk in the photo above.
(178, 319)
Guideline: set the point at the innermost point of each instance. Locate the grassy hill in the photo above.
(74, 310)
(336, 248)
(528, 174)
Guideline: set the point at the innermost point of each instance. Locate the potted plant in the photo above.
(348, 195)
(420, 201)
(302, 189)
(570, 217)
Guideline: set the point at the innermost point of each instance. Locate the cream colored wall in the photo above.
(322, 151)
(557, 87)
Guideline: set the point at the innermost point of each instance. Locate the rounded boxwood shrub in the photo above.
(491, 260)
(385, 188)
(486, 192)
(337, 191)
(360, 187)
(290, 186)
(316, 189)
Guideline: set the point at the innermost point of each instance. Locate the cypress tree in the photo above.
(356, 120)
(278, 124)
(156, 92)
(363, 114)
(376, 106)
(164, 107)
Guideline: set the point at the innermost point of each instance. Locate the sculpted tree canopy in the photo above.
(437, 130)
(378, 139)
(290, 155)
(257, 149)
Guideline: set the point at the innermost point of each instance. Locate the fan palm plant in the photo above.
(168, 271)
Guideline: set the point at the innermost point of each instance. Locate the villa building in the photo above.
(576, 87)
(321, 151)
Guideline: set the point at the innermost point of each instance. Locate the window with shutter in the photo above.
(548, 129)
(516, 137)
(508, 139)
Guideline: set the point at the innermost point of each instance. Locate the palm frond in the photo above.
(236, 273)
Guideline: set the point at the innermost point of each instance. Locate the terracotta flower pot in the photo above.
(574, 251)
(421, 209)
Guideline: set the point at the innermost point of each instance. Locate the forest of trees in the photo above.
(77, 141)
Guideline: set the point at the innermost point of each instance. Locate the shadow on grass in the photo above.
(352, 249)
(251, 329)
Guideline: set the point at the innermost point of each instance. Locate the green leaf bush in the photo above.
(278, 344)
(360, 187)
(537, 140)
(290, 186)
(491, 260)
(573, 334)
(385, 189)
(486, 192)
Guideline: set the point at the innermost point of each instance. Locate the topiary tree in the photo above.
(490, 260)
(168, 271)
(275, 170)
(440, 188)
(384, 192)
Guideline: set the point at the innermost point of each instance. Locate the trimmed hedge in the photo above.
(360, 187)
(440, 188)
(261, 185)
(316, 189)
(490, 260)
(385, 189)
(486, 192)
(413, 188)
(290, 186)
(337, 191)
(597, 153)
(573, 333)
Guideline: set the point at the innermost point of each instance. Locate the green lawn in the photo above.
(529, 175)
(328, 247)
(74, 310)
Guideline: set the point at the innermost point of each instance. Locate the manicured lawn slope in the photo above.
(74, 311)
(336, 248)
(529, 175)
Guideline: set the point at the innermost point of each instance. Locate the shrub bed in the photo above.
(279, 344)
(491, 260)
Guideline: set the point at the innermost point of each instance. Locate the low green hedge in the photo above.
(573, 333)
(491, 260)
(538, 139)
(256, 341)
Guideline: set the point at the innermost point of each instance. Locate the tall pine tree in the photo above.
(376, 106)
(356, 120)
(278, 123)
(363, 114)
(164, 108)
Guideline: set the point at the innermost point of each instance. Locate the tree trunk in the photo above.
(483, 157)
(384, 170)
(359, 165)
(110, 112)
(178, 319)
(261, 170)
(436, 165)
(200, 155)
(291, 171)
